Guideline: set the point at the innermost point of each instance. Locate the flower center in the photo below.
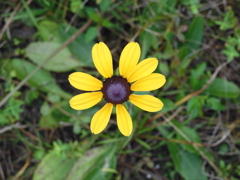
(116, 90)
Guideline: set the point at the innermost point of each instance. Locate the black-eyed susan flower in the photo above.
(117, 89)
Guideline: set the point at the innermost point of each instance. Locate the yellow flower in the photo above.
(117, 89)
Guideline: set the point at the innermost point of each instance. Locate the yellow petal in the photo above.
(101, 119)
(149, 83)
(102, 59)
(85, 82)
(129, 58)
(85, 100)
(124, 120)
(146, 102)
(143, 69)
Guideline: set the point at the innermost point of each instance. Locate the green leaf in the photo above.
(53, 166)
(91, 34)
(104, 5)
(30, 13)
(62, 61)
(193, 136)
(194, 34)
(11, 112)
(174, 150)
(24, 16)
(31, 95)
(42, 79)
(185, 57)
(79, 48)
(93, 15)
(193, 5)
(168, 51)
(223, 88)
(96, 163)
(187, 160)
(190, 133)
(187, 164)
(75, 5)
(168, 105)
(48, 121)
(45, 108)
(215, 104)
(145, 45)
(163, 68)
(183, 53)
(196, 74)
(195, 106)
(191, 166)
(51, 116)
(229, 20)
(49, 31)
(148, 40)
(230, 51)
(143, 143)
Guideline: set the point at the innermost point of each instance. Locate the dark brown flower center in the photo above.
(116, 90)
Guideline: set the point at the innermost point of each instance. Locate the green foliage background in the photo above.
(194, 137)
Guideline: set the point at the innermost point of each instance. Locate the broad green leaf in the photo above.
(42, 79)
(79, 48)
(76, 5)
(185, 57)
(96, 163)
(187, 164)
(62, 61)
(105, 5)
(215, 104)
(91, 34)
(54, 166)
(148, 40)
(194, 34)
(183, 53)
(49, 31)
(196, 74)
(93, 15)
(105, 169)
(168, 51)
(186, 159)
(31, 95)
(191, 166)
(223, 88)
(168, 105)
(195, 106)
(145, 45)
(163, 68)
(190, 133)
(174, 150)
(193, 136)
(45, 108)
